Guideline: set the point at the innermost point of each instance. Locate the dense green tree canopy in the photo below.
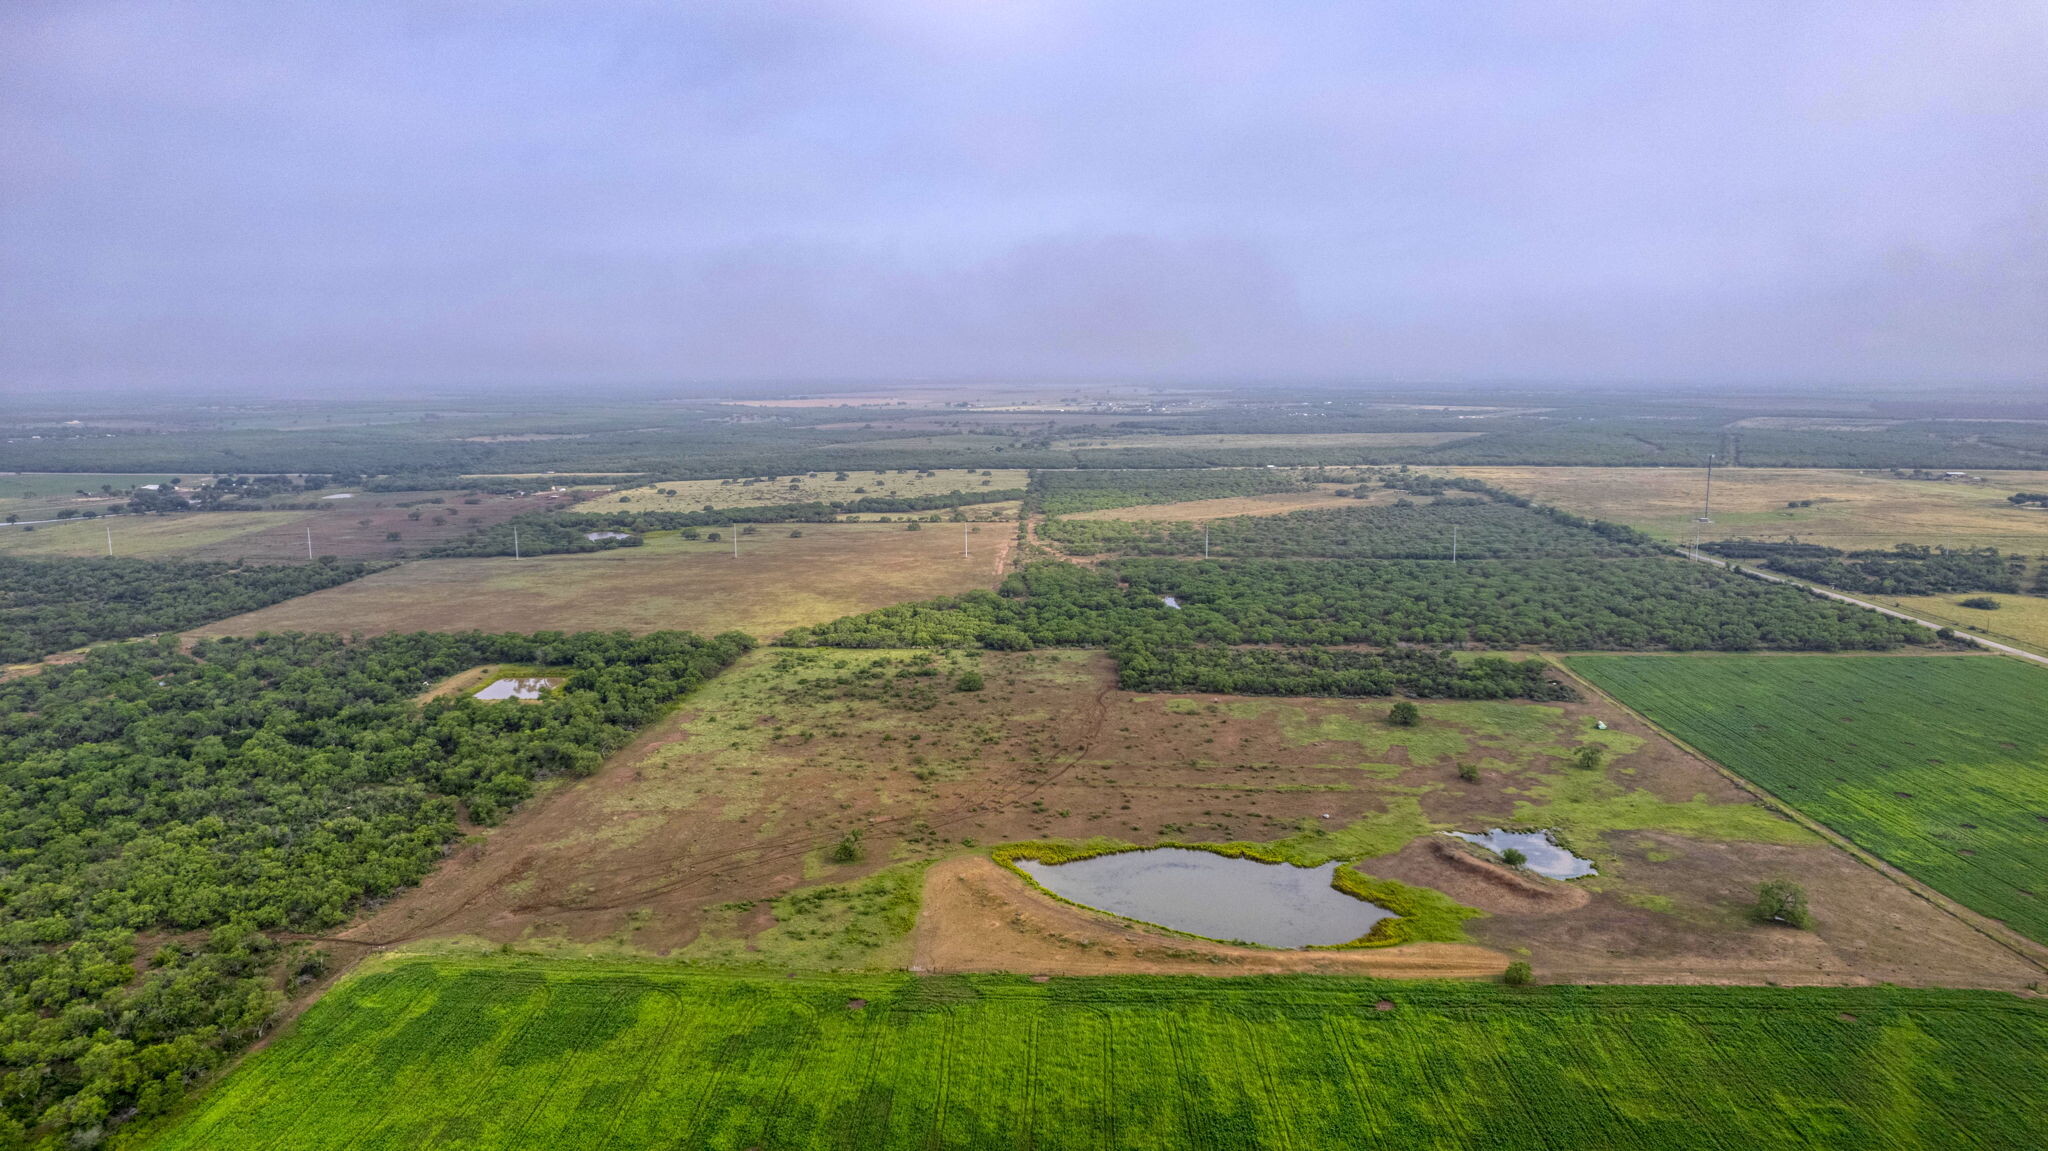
(49, 605)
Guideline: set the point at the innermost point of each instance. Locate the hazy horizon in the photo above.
(225, 195)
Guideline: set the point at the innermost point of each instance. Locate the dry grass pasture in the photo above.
(821, 487)
(1850, 510)
(696, 585)
(1269, 504)
(1274, 440)
(205, 535)
(2019, 619)
(715, 836)
(358, 527)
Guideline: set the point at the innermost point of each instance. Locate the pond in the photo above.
(1203, 893)
(528, 687)
(1545, 857)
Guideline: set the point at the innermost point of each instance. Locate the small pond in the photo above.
(1545, 856)
(525, 688)
(1203, 893)
(1169, 601)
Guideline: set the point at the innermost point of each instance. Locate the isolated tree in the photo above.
(1783, 901)
(1518, 974)
(1469, 772)
(1404, 714)
(1514, 856)
(968, 681)
(1590, 757)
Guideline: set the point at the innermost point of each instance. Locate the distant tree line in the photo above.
(543, 533)
(1626, 604)
(1908, 569)
(1057, 493)
(50, 605)
(253, 786)
(1479, 529)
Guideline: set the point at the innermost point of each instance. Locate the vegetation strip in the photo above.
(1289, 1063)
(1934, 765)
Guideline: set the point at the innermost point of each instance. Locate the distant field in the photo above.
(1937, 764)
(1253, 440)
(148, 537)
(358, 527)
(2021, 619)
(41, 495)
(777, 583)
(1851, 509)
(511, 1054)
(1270, 504)
(693, 495)
(26, 485)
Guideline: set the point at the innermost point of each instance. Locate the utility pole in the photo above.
(1707, 508)
(1205, 541)
(309, 543)
(515, 541)
(110, 538)
(964, 552)
(735, 540)
(1454, 543)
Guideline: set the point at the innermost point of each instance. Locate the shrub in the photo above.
(968, 681)
(1589, 757)
(1981, 603)
(1515, 857)
(1469, 772)
(847, 850)
(1404, 714)
(1518, 974)
(1783, 901)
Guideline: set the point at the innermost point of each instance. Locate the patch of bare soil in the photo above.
(1867, 929)
(979, 917)
(1451, 867)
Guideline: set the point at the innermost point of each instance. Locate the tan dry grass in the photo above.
(777, 583)
(693, 495)
(1261, 440)
(1852, 510)
(1270, 504)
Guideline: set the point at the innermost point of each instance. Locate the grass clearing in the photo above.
(1851, 509)
(1262, 440)
(703, 839)
(820, 487)
(192, 535)
(777, 583)
(505, 1053)
(2021, 620)
(1269, 504)
(1938, 765)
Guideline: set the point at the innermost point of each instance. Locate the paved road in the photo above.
(1994, 645)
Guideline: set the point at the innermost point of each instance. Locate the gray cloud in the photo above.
(467, 191)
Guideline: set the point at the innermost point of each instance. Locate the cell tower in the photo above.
(1707, 505)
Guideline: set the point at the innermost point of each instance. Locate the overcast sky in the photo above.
(298, 192)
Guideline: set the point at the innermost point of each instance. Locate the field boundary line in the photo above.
(2034, 954)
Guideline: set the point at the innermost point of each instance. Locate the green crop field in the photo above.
(503, 1053)
(1937, 764)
